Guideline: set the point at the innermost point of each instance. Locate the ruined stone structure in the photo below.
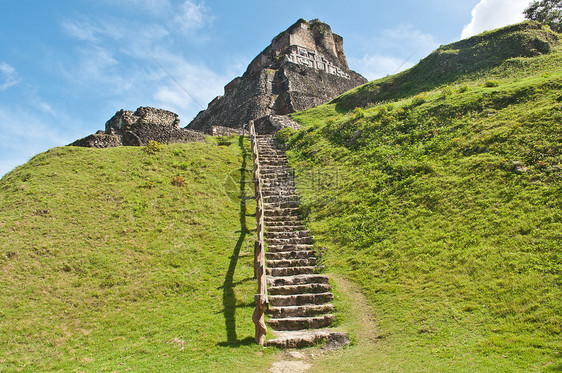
(138, 128)
(304, 66)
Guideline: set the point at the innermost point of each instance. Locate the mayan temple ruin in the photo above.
(304, 66)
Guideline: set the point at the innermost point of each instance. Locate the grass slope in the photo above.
(461, 61)
(106, 265)
(445, 207)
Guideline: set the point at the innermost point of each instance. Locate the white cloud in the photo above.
(201, 84)
(131, 35)
(409, 38)
(80, 30)
(8, 76)
(94, 65)
(193, 16)
(404, 44)
(492, 14)
(46, 108)
(152, 7)
(116, 57)
(376, 66)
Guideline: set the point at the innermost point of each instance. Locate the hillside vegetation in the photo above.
(438, 191)
(466, 60)
(443, 202)
(128, 259)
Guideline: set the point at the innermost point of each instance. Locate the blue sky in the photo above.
(66, 67)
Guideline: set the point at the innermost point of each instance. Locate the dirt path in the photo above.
(292, 363)
(359, 322)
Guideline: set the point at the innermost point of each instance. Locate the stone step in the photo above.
(288, 234)
(287, 216)
(282, 219)
(282, 212)
(265, 144)
(289, 238)
(276, 188)
(275, 173)
(283, 255)
(287, 184)
(297, 280)
(274, 161)
(279, 187)
(270, 157)
(285, 228)
(282, 204)
(288, 195)
(276, 167)
(265, 164)
(299, 323)
(279, 193)
(299, 289)
(300, 299)
(275, 198)
(278, 170)
(277, 181)
(300, 311)
(289, 247)
(307, 338)
(291, 263)
(292, 223)
(289, 241)
(292, 271)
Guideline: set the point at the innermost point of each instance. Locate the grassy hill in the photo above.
(127, 259)
(443, 202)
(438, 191)
(467, 60)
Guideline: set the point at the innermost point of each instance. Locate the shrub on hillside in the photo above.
(178, 181)
(153, 147)
(492, 83)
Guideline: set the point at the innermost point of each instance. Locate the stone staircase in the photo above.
(299, 298)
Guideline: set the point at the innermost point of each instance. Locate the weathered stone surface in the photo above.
(138, 128)
(273, 123)
(299, 339)
(304, 66)
(225, 131)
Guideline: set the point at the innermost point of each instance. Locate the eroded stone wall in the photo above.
(138, 128)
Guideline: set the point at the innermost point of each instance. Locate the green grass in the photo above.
(106, 265)
(466, 60)
(445, 208)
(436, 191)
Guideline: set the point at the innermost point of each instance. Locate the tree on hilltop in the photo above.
(546, 11)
